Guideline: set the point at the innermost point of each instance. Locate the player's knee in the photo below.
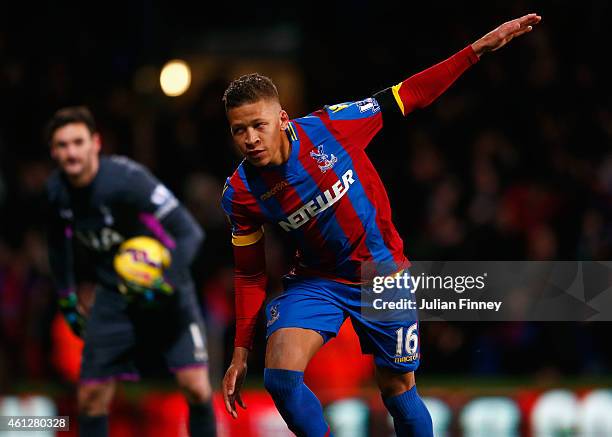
(95, 399)
(393, 384)
(393, 388)
(197, 393)
(196, 390)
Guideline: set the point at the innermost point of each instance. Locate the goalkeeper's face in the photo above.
(258, 132)
(76, 150)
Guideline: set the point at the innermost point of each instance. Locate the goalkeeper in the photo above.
(95, 203)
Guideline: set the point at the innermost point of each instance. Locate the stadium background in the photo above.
(512, 163)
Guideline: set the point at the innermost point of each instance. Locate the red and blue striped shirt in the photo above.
(327, 196)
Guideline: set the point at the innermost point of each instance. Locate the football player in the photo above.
(312, 177)
(95, 204)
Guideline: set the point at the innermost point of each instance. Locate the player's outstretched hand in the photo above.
(232, 382)
(502, 35)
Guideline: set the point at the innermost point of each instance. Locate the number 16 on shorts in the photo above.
(407, 343)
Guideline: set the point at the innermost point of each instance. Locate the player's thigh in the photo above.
(300, 321)
(306, 303)
(109, 340)
(292, 348)
(185, 347)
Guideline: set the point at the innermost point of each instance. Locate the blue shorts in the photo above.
(322, 305)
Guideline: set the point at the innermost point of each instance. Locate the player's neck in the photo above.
(284, 151)
(86, 176)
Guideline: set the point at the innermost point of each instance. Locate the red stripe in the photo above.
(366, 127)
(244, 198)
(344, 211)
(372, 185)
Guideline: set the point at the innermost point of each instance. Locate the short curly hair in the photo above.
(249, 88)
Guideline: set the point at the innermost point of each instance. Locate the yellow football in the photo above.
(141, 261)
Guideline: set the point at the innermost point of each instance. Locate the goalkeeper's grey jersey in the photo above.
(87, 225)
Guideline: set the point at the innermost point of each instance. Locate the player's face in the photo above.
(258, 132)
(76, 151)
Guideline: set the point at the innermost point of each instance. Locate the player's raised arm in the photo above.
(423, 88)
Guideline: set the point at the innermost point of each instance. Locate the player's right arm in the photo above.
(250, 281)
(61, 262)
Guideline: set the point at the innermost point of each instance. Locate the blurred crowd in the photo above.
(512, 163)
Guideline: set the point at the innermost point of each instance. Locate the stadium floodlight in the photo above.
(175, 78)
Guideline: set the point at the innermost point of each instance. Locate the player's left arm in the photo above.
(359, 122)
(421, 89)
(167, 219)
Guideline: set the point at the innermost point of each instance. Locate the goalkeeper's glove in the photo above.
(68, 307)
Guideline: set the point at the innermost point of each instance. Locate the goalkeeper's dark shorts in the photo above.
(124, 340)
